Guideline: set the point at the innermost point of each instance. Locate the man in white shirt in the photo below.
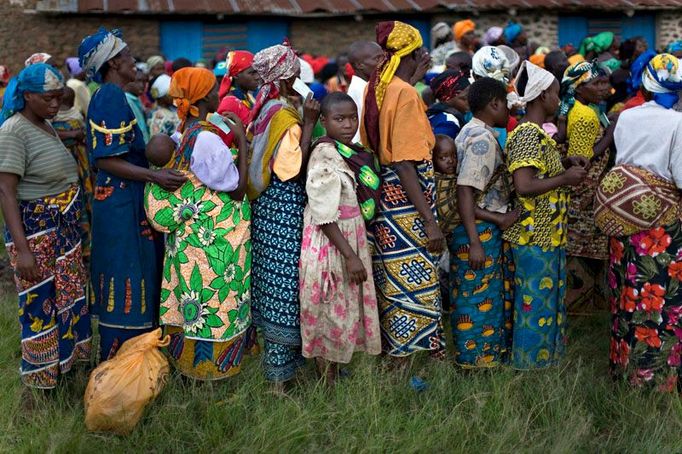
(364, 57)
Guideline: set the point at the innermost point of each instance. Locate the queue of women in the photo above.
(250, 234)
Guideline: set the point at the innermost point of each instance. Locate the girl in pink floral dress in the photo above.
(339, 314)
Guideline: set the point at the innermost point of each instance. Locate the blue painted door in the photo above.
(196, 39)
(572, 29)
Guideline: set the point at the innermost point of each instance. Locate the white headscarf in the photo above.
(491, 62)
(513, 58)
(539, 80)
(161, 86)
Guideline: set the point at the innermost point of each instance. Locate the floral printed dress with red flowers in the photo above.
(646, 302)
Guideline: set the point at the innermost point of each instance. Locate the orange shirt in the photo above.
(404, 129)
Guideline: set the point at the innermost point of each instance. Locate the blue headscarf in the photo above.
(674, 47)
(662, 77)
(97, 49)
(37, 78)
(637, 69)
(512, 31)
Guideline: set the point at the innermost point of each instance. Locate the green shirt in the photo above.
(44, 165)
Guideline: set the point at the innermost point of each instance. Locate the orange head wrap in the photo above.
(538, 60)
(188, 86)
(463, 27)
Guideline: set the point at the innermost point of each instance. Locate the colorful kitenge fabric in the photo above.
(268, 129)
(543, 222)
(481, 319)
(631, 199)
(587, 246)
(277, 229)
(539, 332)
(446, 202)
(127, 255)
(338, 318)
(72, 120)
(365, 167)
(163, 120)
(645, 277)
(405, 273)
(53, 311)
(206, 284)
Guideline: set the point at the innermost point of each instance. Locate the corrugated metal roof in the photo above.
(303, 7)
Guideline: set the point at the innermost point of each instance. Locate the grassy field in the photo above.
(574, 408)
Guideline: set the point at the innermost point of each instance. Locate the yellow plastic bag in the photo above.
(120, 388)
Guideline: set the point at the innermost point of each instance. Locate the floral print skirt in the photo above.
(646, 302)
(338, 318)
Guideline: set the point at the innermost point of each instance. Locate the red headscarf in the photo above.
(236, 106)
(236, 62)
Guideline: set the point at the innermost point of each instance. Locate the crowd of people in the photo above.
(284, 205)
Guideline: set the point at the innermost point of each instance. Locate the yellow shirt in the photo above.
(583, 130)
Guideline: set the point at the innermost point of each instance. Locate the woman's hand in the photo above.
(580, 161)
(169, 179)
(476, 256)
(436, 242)
(506, 220)
(27, 267)
(311, 110)
(356, 270)
(235, 124)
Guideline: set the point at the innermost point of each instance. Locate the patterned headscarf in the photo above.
(574, 77)
(463, 27)
(36, 78)
(599, 43)
(492, 35)
(40, 57)
(513, 59)
(97, 49)
(663, 78)
(491, 62)
(235, 62)
(448, 84)
(273, 64)
(512, 31)
(398, 40)
(189, 85)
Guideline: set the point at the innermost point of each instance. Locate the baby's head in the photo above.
(445, 155)
(68, 98)
(160, 150)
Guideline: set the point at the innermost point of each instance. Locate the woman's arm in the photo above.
(356, 270)
(311, 112)
(466, 206)
(168, 179)
(407, 173)
(605, 143)
(237, 127)
(527, 184)
(26, 265)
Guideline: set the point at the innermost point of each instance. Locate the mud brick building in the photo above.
(198, 28)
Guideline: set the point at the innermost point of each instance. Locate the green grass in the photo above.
(573, 408)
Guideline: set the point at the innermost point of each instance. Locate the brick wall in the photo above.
(668, 28)
(26, 33)
(541, 28)
(329, 36)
